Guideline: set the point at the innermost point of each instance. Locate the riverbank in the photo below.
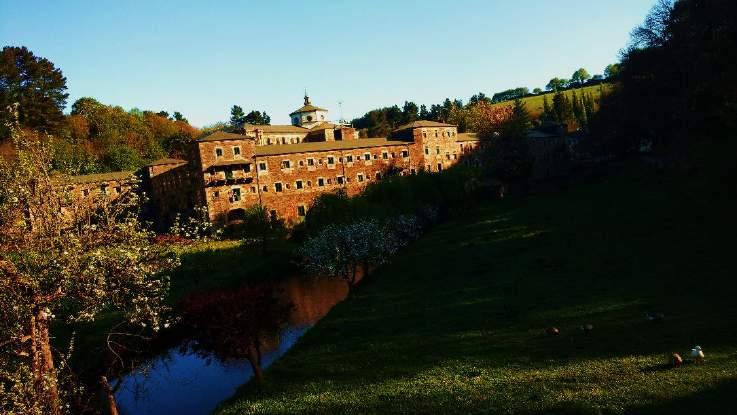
(456, 323)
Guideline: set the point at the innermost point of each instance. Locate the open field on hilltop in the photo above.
(456, 323)
(535, 103)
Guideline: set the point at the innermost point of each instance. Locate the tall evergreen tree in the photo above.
(36, 85)
(237, 116)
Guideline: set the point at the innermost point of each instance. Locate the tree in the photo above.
(612, 71)
(179, 117)
(556, 84)
(237, 116)
(562, 108)
(163, 114)
(476, 98)
(580, 76)
(409, 112)
(66, 257)
(257, 118)
(424, 113)
(36, 85)
(537, 91)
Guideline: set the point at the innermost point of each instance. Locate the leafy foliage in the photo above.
(36, 85)
(66, 257)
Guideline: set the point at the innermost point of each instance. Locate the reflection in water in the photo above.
(182, 381)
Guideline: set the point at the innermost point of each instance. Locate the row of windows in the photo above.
(331, 160)
(443, 133)
(286, 164)
(300, 185)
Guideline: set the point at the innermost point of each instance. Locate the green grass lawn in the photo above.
(456, 323)
(534, 104)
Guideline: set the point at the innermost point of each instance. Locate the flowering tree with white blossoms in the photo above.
(65, 257)
(339, 251)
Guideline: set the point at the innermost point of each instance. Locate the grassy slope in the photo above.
(535, 104)
(455, 325)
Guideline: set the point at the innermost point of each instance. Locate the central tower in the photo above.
(309, 115)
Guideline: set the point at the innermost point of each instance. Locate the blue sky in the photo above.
(200, 58)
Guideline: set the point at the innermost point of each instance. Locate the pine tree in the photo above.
(237, 116)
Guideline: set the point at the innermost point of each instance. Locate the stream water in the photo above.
(181, 381)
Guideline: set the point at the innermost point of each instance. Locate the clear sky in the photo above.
(200, 58)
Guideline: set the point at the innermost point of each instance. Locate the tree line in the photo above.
(572, 110)
(676, 93)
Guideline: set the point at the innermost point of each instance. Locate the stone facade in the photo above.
(284, 168)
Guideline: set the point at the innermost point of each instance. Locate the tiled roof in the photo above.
(308, 108)
(323, 126)
(276, 128)
(115, 176)
(222, 135)
(164, 161)
(467, 137)
(326, 146)
(421, 124)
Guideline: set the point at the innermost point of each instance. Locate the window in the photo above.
(301, 163)
(247, 168)
(437, 150)
(277, 187)
(309, 118)
(265, 188)
(424, 135)
(301, 210)
(236, 195)
(236, 151)
(340, 180)
(229, 174)
(253, 189)
(309, 183)
(103, 189)
(85, 192)
(349, 158)
(320, 181)
(376, 156)
(455, 156)
(367, 156)
(118, 189)
(440, 167)
(310, 162)
(331, 160)
(384, 155)
(215, 194)
(262, 166)
(359, 177)
(436, 133)
(405, 154)
(298, 184)
(218, 152)
(413, 171)
(447, 156)
(378, 175)
(286, 164)
(427, 151)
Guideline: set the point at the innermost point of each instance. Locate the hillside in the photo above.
(456, 324)
(535, 103)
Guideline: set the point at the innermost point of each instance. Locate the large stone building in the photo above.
(285, 167)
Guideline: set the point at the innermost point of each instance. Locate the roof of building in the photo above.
(326, 146)
(307, 108)
(275, 128)
(323, 126)
(422, 124)
(115, 176)
(221, 163)
(222, 135)
(467, 137)
(165, 161)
